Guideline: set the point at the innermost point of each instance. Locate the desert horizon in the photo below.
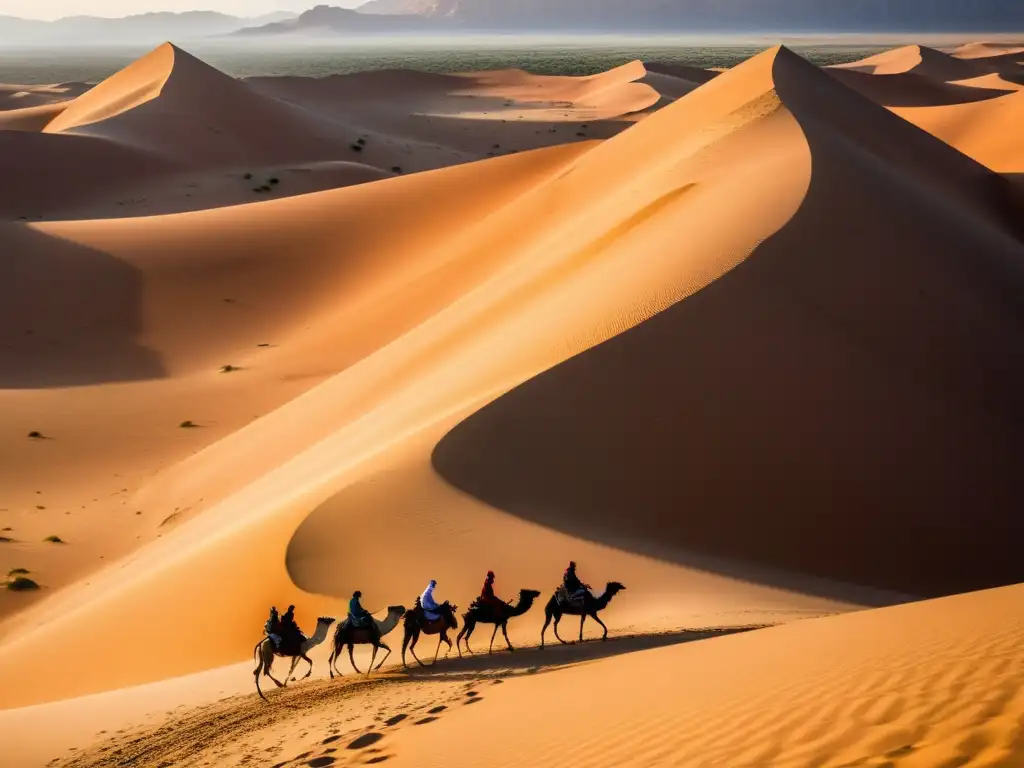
(735, 329)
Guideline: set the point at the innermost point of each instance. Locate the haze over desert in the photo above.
(745, 344)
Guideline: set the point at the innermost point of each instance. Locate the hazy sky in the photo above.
(54, 9)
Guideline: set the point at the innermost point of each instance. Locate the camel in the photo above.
(350, 636)
(264, 653)
(416, 622)
(590, 607)
(486, 614)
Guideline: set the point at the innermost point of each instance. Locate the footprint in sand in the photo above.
(425, 720)
(330, 740)
(437, 710)
(320, 762)
(366, 740)
(395, 720)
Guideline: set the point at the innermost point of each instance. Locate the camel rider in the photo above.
(272, 628)
(357, 615)
(290, 632)
(574, 588)
(427, 602)
(487, 596)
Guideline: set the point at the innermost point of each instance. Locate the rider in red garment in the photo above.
(487, 596)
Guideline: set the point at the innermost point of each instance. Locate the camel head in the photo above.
(614, 588)
(528, 594)
(325, 620)
(398, 611)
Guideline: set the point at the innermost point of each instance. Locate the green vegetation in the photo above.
(54, 540)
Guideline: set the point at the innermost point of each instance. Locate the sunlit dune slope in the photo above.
(928, 684)
(335, 489)
(829, 406)
(916, 76)
(988, 131)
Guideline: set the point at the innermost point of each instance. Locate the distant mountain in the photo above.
(333, 20)
(142, 29)
(724, 15)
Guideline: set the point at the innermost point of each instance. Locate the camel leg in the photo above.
(352, 660)
(594, 617)
(267, 664)
(309, 661)
(467, 630)
(470, 628)
(412, 648)
(330, 662)
(558, 619)
(373, 658)
(583, 618)
(438, 651)
(504, 631)
(493, 635)
(291, 669)
(385, 647)
(449, 641)
(544, 629)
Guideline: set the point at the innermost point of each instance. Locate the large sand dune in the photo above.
(756, 354)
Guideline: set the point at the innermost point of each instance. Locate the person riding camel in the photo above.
(574, 588)
(488, 598)
(291, 635)
(428, 604)
(272, 628)
(357, 615)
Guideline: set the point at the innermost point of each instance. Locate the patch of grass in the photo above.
(228, 369)
(17, 572)
(22, 584)
(54, 540)
(188, 424)
(35, 435)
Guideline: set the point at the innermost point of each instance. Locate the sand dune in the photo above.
(755, 353)
(26, 96)
(986, 131)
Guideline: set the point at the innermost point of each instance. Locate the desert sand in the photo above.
(749, 343)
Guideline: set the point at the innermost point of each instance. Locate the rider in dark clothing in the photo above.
(487, 597)
(272, 628)
(291, 635)
(573, 586)
(358, 615)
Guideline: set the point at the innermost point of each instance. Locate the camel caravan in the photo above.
(283, 637)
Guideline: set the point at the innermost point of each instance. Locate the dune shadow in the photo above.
(845, 403)
(70, 315)
(532, 660)
(910, 89)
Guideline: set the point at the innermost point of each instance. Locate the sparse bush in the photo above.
(361, 142)
(357, 147)
(265, 188)
(17, 572)
(228, 369)
(188, 424)
(6, 540)
(396, 168)
(54, 540)
(247, 176)
(257, 190)
(35, 435)
(275, 181)
(22, 584)
(581, 133)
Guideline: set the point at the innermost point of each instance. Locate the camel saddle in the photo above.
(564, 598)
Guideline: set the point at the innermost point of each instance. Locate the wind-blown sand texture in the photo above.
(753, 348)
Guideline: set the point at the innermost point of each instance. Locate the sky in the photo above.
(55, 9)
